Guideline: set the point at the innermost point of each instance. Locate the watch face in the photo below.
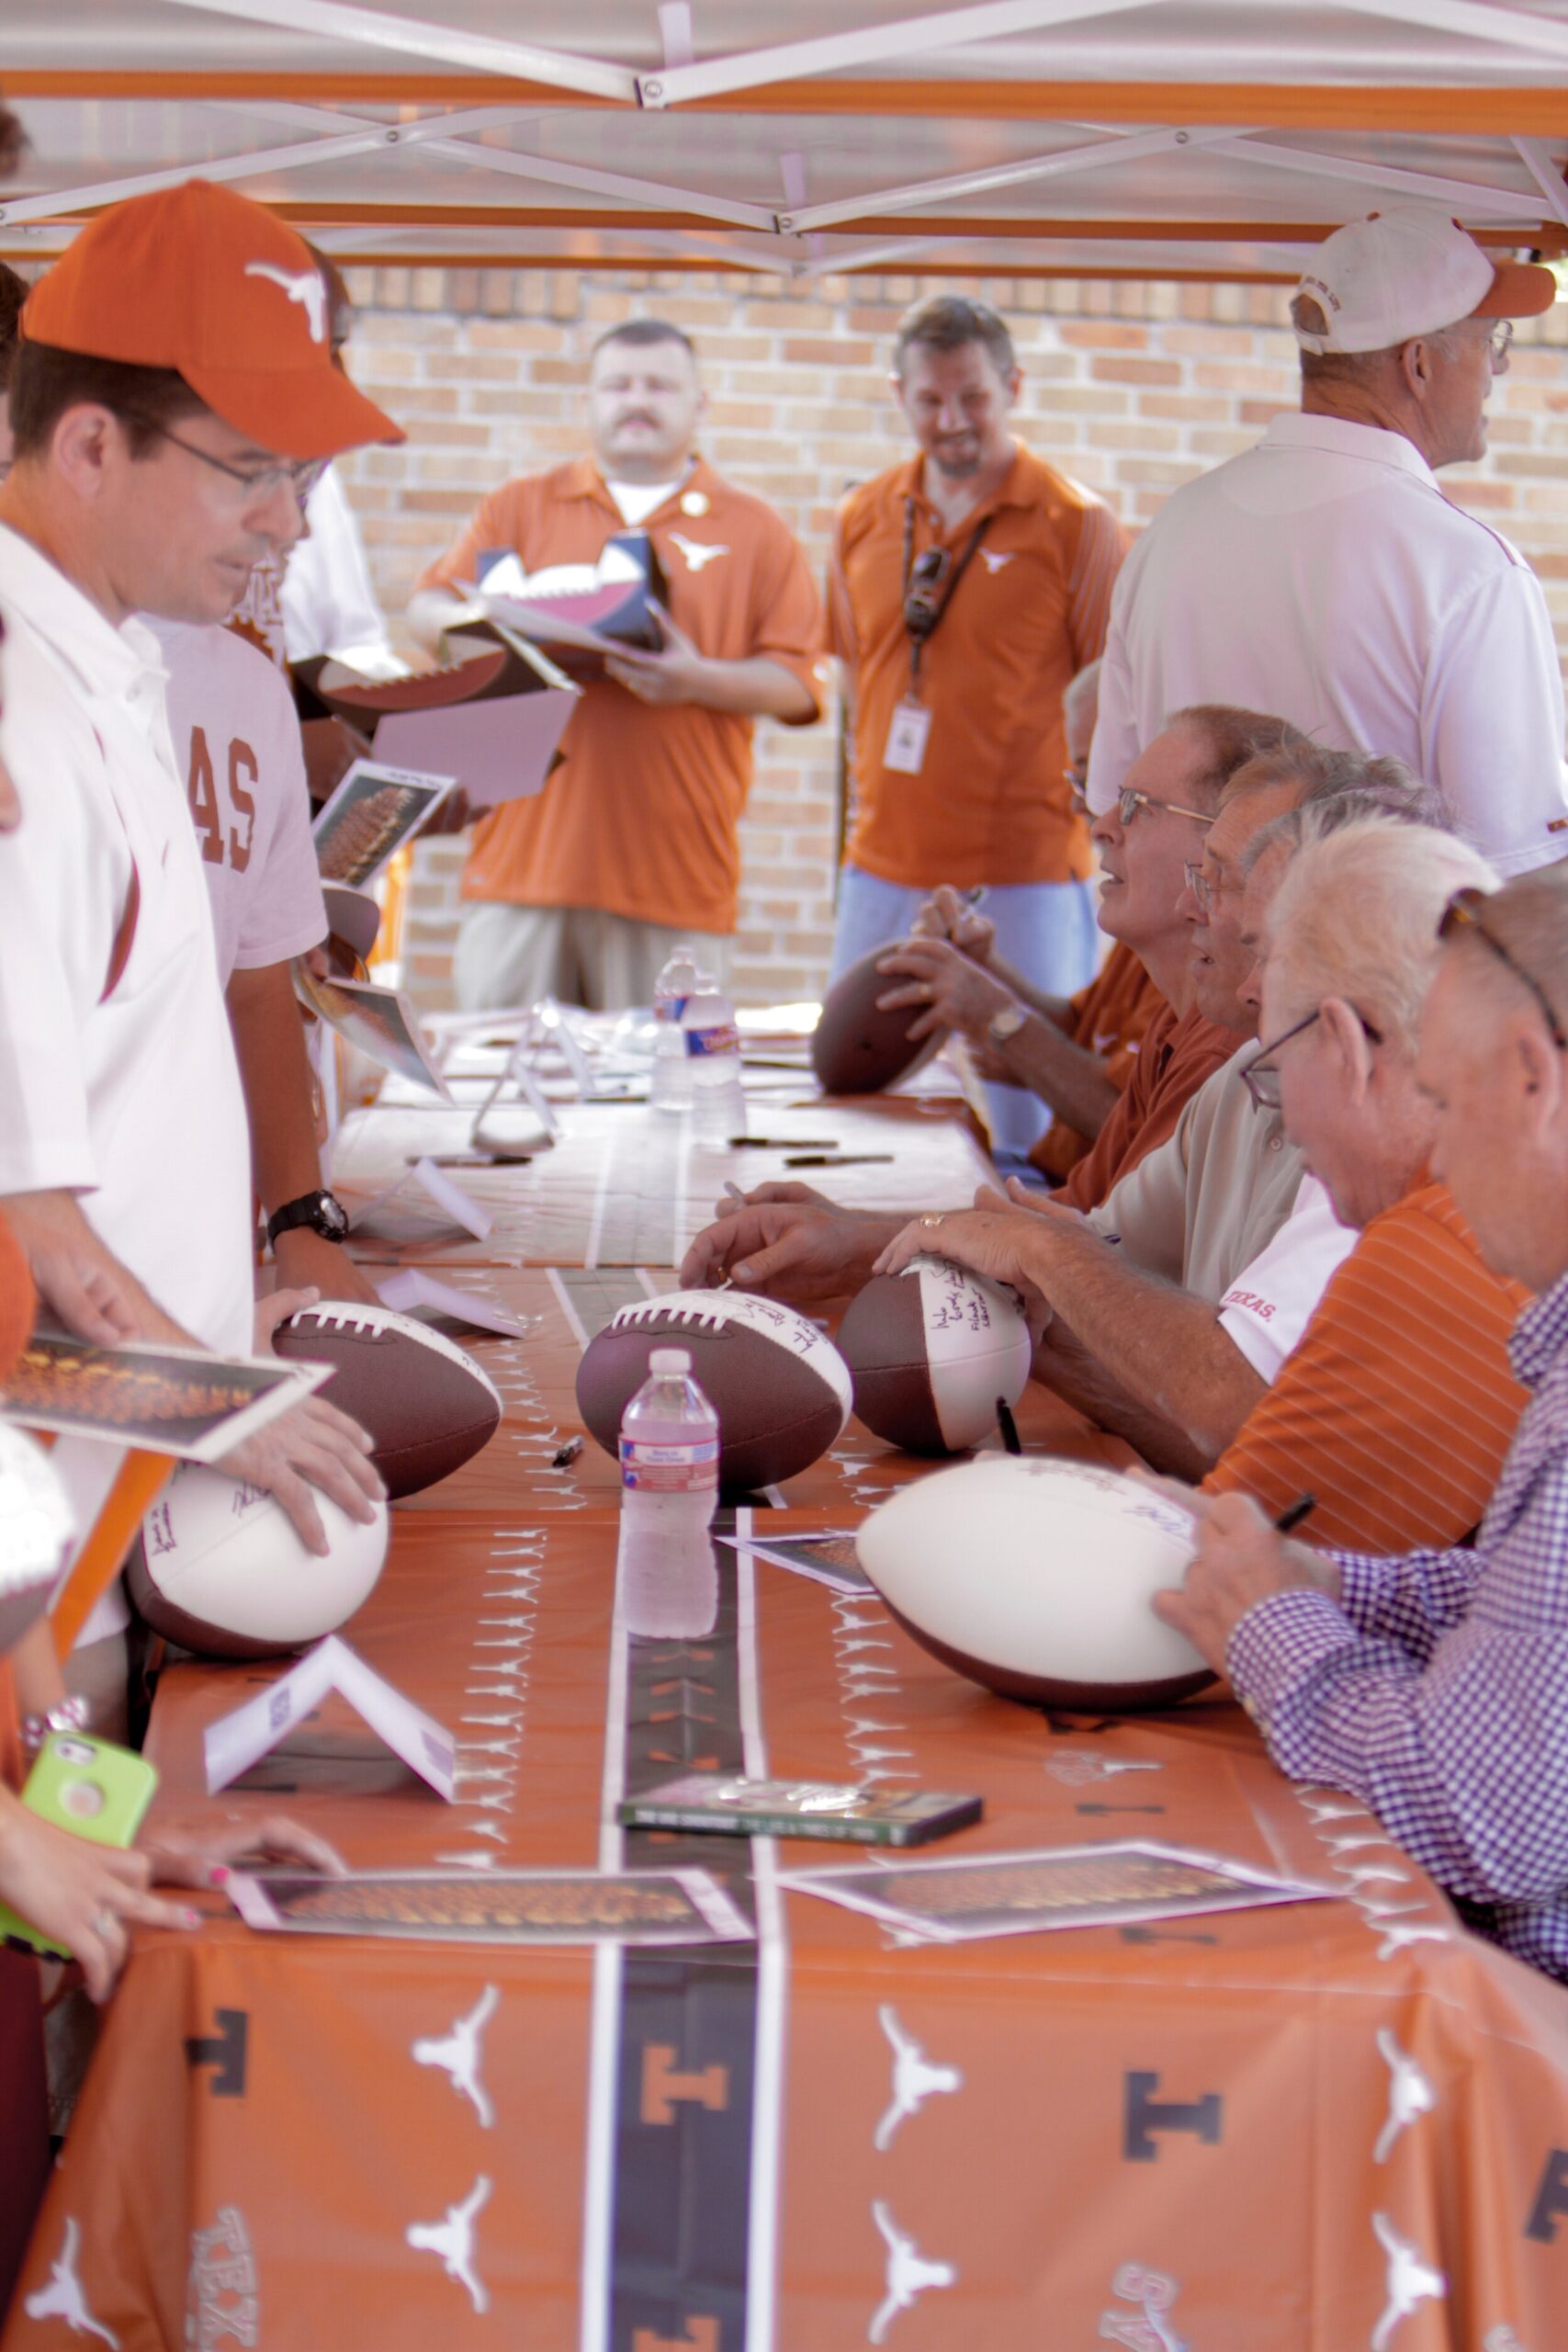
(330, 1218)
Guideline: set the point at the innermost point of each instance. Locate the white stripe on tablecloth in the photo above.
(773, 1985)
(604, 2049)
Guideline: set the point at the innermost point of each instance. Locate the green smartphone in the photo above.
(92, 1787)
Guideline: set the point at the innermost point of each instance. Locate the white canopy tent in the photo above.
(1200, 138)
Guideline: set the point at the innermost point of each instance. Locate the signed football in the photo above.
(930, 1350)
(1034, 1576)
(221, 1571)
(780, 1387)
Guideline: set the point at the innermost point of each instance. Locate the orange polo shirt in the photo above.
(991, 802)
(640, 816)
(1399, 1404)
(1180, 1051)
(18, 1302)
(1110, 1018)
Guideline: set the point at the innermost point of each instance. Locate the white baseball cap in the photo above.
(1395, 275)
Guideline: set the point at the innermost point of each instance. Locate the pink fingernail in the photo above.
(219, 1874)
(190, 1919)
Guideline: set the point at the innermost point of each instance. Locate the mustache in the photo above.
(635, 417)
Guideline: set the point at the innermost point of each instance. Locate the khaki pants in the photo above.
(514, 955)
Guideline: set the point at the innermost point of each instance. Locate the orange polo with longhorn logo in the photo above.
(991, 802)
(641, 816)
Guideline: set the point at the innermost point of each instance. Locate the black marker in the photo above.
(845, 1160)
(1289, 1521)
(1008, 1426)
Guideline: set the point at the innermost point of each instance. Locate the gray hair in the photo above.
(1356, 368)
(1357, 916)
(1345, 789)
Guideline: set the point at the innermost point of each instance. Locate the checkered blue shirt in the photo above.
(1436, 1690)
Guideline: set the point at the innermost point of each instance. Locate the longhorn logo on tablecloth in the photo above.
(1397, 1939)
(459, 2056)
(64, 2297)
(453, 2240)
(908, 2274)
(1409, 2095)
(1409, 2282)
(915, 2079)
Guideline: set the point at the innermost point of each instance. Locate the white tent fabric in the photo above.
(1211, 138)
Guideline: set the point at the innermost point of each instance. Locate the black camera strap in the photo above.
(936, 612)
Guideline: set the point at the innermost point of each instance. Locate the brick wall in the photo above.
(1134, 387)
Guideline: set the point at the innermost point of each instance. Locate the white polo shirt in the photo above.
(127, 1095)
(1324, 575)
(329, 605)
(1271, 1301)
(236, 747)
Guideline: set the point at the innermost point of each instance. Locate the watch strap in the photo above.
(310, 1209)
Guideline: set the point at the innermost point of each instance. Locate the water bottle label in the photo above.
(670, 1008)
(669, 1469)
(724, 1039)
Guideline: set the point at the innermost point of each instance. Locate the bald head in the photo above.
(1493, 1062)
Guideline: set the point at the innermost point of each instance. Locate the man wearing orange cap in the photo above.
(172, 397)
(1323, 574)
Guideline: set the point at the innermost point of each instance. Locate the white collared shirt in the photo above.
(130, 1099)
(1324, 577)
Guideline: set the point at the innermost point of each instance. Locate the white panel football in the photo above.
(930, 1350)
(1034, 1576)
(35, 1525)
(220, 1570)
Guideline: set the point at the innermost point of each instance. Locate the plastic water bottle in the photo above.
(670, 1087)
(713, 1062)
(669, 1580)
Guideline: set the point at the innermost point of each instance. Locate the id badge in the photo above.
(906, 737)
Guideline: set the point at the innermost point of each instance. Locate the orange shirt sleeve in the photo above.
(1103, 545)
(786, 621)
(1177, 1056)
(1398, 1406)
(18, 1302)
(497, 521)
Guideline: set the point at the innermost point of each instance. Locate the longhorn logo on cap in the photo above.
(306, 288)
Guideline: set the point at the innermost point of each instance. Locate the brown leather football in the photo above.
(780, 1387)
(855, 1050)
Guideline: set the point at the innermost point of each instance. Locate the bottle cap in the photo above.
(669, 1360)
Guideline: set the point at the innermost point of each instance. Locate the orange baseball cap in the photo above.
(200, 279)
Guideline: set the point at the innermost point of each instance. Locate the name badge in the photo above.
(906, 737)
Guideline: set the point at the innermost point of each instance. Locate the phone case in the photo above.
(92, 1787)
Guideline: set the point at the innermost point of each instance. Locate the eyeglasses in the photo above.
(1131, 803)
(1203, 891)
(1462, 913)
(258, 481)
(1260, 1076)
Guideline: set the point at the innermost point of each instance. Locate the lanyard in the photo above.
(936, 613)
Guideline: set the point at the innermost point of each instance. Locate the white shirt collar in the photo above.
(1341, 438)
(102, 658)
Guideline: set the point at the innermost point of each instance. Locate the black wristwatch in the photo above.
(320, 1211)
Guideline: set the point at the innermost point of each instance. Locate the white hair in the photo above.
(1357, 915)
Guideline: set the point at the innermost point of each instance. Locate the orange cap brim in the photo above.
(297, 413)
(1520, 290)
